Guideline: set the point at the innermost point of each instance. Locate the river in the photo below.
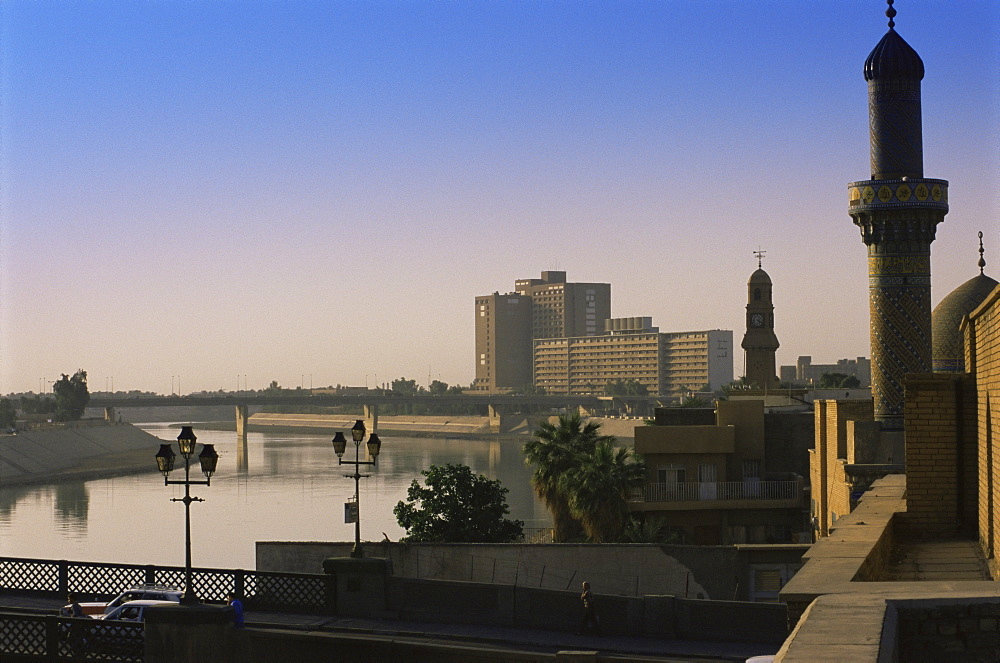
(290, 489)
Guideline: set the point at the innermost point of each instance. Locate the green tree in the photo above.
(8, 414)
(693, 401)
(598, 488)
(438, 388)
(838, 381)
(554, 450)
(628, 387)
(37, 405)
(405, 387)
(457, 506)
(651, 530)
(71, 396)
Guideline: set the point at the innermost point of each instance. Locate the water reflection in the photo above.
(71, 505)
(279, 487)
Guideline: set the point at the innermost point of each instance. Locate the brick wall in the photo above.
(982, 347)
(939, 444)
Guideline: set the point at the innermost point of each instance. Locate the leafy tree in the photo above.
(438, 388)
(405, 387)
(628, 387)
(598, 488)
(457, 506)
(8, 415)
(554, 450)
(455, 389)
(838, 381)
(71, 396)
(37, 405)
(273, 388)
(693, 401)
(651, 530)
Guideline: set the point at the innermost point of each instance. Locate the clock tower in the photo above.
(759, 342)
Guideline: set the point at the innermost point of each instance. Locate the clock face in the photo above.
(757, 320)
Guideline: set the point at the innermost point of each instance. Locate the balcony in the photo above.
(717, 495)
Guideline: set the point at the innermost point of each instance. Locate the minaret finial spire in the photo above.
(759, 255)
(891, 13)
(982, 260)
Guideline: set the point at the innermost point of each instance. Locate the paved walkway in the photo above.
(651, 649)
(958, 559)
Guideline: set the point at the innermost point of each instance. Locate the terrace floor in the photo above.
(956, 559)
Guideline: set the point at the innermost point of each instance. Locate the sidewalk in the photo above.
(494, 636)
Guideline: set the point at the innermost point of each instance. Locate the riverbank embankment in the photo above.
(81, 450)
(465, 427)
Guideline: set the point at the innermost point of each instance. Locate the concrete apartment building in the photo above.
(632, 349)
(547, 307)
(710, 478)
(806, 373)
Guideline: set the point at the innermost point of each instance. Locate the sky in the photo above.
(207, 194)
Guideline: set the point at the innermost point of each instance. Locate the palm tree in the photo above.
(598, 489)
(555, 450)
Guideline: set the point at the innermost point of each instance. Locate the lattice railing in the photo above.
(29, 575)
(290, 592)
(48, 638)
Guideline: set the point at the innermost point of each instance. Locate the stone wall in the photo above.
(440, 601)
(697, 572)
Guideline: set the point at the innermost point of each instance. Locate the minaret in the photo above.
(759, 341)
(897, 211)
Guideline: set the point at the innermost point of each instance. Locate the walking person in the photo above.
(77, 636)
(237, 609)
(589, 618)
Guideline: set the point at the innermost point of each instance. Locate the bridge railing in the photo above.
(261, 590)
(49, 638)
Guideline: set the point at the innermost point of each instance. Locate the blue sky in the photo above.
(292, 189)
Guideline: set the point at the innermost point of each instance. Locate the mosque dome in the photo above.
(948, 344)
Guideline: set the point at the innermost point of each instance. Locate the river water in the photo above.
(289, 488)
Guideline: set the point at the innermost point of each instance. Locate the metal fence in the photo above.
(260, 590)
(717, 490)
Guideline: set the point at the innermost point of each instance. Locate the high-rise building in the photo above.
(503, 341)
(547, 307)
(667, 364)
(560, 309)
(897, 210)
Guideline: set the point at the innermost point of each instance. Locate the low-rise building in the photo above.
(708, 478)
(666, 364)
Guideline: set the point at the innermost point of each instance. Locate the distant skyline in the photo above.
(317, 191)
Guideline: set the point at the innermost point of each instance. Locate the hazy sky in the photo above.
(215, 189)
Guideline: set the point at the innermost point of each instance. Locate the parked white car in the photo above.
(136, 593)
(132, 611)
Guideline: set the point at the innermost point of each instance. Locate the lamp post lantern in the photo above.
(339, 446)
(209, 459)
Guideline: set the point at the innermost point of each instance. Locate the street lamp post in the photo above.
(165, 463)
(339, 446)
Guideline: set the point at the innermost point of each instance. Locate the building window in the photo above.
(670, 474)
(756, 294)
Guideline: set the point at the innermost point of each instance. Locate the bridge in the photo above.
(496, 405)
